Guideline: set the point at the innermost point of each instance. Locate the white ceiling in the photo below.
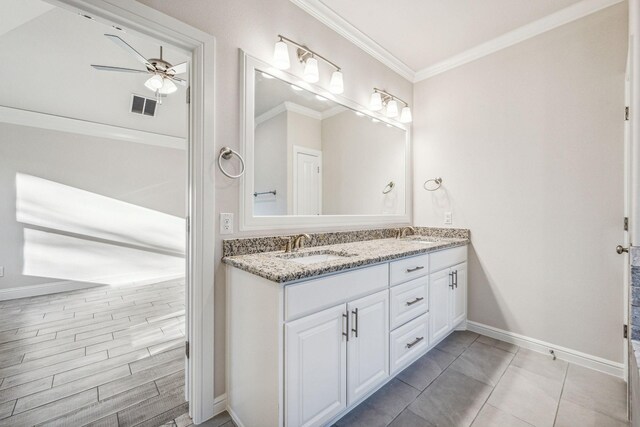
(419, 38)
(17, 12)
(270, 93)
(50, 71)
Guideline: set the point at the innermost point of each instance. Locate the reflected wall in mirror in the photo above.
(313, 156)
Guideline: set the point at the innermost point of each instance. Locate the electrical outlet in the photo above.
(1, 271)
(448, 218)
(226, 223)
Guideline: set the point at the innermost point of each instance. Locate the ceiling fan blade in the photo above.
(124, 45)
(120, 69)
(178, 80)
(179, 68)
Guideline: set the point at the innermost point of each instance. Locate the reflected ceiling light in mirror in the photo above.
(309, 58)
(375, 120)
(320, 98)
(281, 55)
(381, 98)
(375, 103)
(267, 76)
(296, 88)
(337, 84)
(359, 114)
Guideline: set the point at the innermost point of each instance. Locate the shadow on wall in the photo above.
(482, 292)
(73, 234)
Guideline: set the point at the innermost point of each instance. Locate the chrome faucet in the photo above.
(298, 242)
(288, 246)
(400, 232)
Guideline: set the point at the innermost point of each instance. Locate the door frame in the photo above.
(299, 149)
(145, 20)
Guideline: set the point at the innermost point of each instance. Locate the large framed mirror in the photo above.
(317, 159)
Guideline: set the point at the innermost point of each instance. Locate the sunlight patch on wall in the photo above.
(56, 206)
(70, 258)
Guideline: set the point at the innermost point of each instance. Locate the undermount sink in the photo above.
(423, 240)
(306, 258)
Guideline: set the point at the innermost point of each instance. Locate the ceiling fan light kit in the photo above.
(163, 74)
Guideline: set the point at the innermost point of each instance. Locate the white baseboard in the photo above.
(44, 289)
(220, 404)
(563, 353)
(69, 285)
(235, 418)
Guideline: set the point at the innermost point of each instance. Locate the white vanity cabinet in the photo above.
(303, 354)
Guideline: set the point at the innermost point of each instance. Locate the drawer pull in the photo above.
(418, 299)
(416, 341)
(355, 322)
(411, 270)
(345, 318)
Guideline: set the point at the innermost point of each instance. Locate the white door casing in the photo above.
(367, 350)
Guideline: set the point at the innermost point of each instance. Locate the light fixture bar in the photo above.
(308, 51)
(386, 96)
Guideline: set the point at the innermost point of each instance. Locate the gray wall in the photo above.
(529, 143)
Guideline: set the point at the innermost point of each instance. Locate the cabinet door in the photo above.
(439, 304)
(368, 347)
(459, 300)
(315, 367)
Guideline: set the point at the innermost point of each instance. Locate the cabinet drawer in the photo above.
(409, 342)
(447, 258)
(308, 297)
(409, 301)
(409, 268)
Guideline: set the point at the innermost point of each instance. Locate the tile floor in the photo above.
(107, 356)
(473, 380)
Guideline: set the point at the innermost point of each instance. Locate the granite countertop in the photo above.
(275, 266)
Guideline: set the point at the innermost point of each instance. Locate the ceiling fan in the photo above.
(163, 74)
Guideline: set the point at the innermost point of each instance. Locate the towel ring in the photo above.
(226, 153)
(388, 188)
(437, 181)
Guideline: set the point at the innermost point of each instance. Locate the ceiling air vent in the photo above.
(144, 106)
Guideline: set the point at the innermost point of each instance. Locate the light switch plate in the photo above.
(226, 223)
(448, 218)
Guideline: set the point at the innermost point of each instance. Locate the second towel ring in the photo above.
(437, 181)
(226, 153)
(388, 188)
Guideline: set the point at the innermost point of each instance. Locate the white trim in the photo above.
(535, 28)
(574, 356)
(220, 404)
(327, 16)
(278, 109)
(324, 14)
(248, 222)
(16, 116)
(136, 17)
(69, 285)
(235, 417)
(305, 111)
(333, 111)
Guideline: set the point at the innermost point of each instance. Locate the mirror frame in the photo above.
(248, 67)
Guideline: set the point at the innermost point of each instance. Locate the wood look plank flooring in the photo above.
(105, 356)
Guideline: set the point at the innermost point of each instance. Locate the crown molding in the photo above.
(327, 16)
(535, 28)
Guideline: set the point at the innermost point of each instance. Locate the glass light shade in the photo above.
(336, 85)
(154, 83)
(311, 70)
(281, 55)
(405, 116)
(167, 87)
(375, 104)
(392, 108)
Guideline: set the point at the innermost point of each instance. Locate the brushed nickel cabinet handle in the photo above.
(418, 299)
(451, 282)
(355, 322)
(416, 341)
(411, 270)
(345, 317)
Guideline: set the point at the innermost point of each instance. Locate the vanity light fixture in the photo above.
(381, 98)
(310, 59)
